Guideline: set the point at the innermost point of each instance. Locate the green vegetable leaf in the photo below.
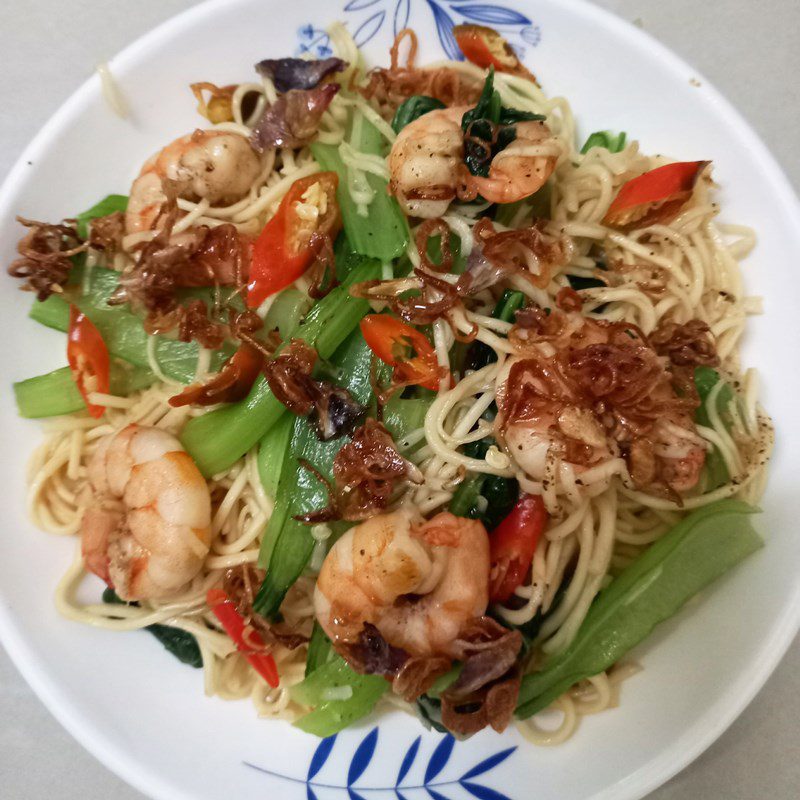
(483, 140)
(386, 240)
(122, 330)
(180, 643)
(319, 649)
(700, 548)
(332, 716)
(56, 393)
(614, 143)
(413, 108)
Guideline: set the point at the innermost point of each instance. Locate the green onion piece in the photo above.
(217, 439)
(55, 393)
(700, 548)
(614, 143)
(413, 108)
(108, 205)
(332, 716)
(383, 234)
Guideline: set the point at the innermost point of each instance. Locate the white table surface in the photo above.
(749, 49)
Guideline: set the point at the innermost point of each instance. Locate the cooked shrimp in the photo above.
(521, 168)
(426, 163)
(585, 393)
(147, 531)
(417, 582)
(213, 165)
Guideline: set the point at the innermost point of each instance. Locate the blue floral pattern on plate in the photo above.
(436, 785)
(366, 18)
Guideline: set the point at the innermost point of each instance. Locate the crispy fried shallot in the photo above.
(373, 655)
(689, 345)
(45, 252)
(366, 472)
(334, 412)
(105, 233)
(219, 106)
(390, 87)
(486, 690)
(605, 381)
(530, 252)
(293, 119)
(200, 256)
(241, 584)
(411, 676)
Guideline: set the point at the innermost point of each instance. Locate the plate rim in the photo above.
(654, 773)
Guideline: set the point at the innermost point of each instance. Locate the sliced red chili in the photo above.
(292, 239)
(402, 347)
(88, 359)
(230, 384)
(656, 196)
(485, 48)
(251, 648)
(512, 545)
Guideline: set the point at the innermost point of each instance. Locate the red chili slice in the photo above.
(225, 611)
(88, 359)
(656, 196)
(393, 342)
(512, 545)
(289, 242)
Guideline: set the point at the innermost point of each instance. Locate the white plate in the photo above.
(145, 715)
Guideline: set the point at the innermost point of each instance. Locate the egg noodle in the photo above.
(599, 522)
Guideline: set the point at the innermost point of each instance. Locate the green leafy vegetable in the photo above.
(578, 282)
(700, 548)
(488, 498)
(319, 649)
(413, 108)
(443, 682)
(217, 439)
(122, 331)
(384, 233)
(483, 139)
(614, 143)
(272, 452)
(179, 643)
(479, 354)
(287, 312)
(331, 716)
(288, 544)
(55, 393)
